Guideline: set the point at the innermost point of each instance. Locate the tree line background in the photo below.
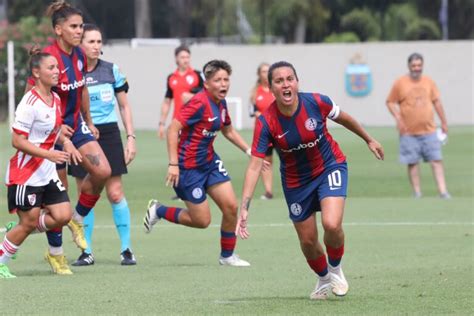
(236, 21)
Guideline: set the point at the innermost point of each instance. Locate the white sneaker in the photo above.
(233, 261)
(322, 289)
(340, 287)
(151, 218)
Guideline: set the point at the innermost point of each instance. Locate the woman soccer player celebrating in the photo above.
(313, 171)
(195, 169)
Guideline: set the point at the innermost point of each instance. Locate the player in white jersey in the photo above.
(31, 177)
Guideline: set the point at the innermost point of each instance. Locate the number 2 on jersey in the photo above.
(220, 166)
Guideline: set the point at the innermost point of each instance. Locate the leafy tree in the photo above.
(396, 20)
(422, 29)
(291, 17)
(363, 23)
(27, 32)
(345, 37)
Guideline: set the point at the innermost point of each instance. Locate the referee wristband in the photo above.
(132, 135)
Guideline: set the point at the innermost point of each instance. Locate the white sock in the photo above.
(56, 251)
(335, 269)
(7, 250)
(325, 278)
(77, 217)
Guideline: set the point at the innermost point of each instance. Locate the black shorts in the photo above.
(25, 197)
(111, 143)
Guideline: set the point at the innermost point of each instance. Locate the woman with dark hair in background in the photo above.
(261, 98)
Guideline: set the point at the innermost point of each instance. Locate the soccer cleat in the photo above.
(233, 261)
(417, 195)
(5, 272)
(58, 264)
(340, 287)
(445, 196)
(85, 259)
(322, 289)
(9, 226)
(77, 230)
(128, 259)
(266, 196)
(175, 198)
(151, 218)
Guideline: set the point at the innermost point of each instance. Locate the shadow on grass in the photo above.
(275, 298)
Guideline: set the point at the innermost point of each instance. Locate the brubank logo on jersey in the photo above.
(72, 86)
(303, 146)
(209, 134)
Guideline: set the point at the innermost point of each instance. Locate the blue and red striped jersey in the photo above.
(302, 141)
(72, 68)
(202, 119)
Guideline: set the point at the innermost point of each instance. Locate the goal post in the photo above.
(234, 105)
(11, 82)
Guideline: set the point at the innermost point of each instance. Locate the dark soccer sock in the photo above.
(86, 203)
(55, 237)
(319, 265)
(169, 213)
(228, 241)
(335, 255)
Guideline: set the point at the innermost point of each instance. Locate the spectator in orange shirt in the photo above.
(412, 101)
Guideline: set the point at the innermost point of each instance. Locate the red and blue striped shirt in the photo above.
(72, 68)
(302, 141)
(202, 119)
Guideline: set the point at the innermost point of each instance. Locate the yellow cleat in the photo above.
(58, 264)
(77, 230)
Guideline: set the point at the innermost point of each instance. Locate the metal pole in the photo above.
(11, 82)
(444, 18)
(262, 22)
(219, 21)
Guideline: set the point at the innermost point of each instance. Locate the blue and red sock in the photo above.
(169, 213)
(86, 203)
(335, 255)
(319, 265)
(228, 241)
(55, 237)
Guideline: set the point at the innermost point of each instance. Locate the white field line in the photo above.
(270, 225)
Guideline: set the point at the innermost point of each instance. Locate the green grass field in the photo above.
(403, 256)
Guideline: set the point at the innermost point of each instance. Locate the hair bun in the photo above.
(35, 50)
